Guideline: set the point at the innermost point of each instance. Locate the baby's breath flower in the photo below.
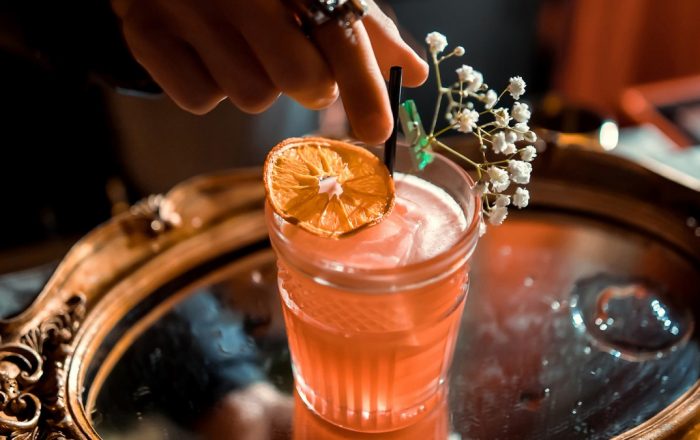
(519, 171)
(436, 41)
(521, 197)
(520, 129)
(465, 73)
(504, 126)
(490, 99)
(498, 142)
(516, 87)
(476, 82)
(499, 178)
(497, 215)
(466, 120)
(528, 153)
(502, 117)
(521, 112)
(502, 201)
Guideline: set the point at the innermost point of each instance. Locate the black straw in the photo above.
(395, 78)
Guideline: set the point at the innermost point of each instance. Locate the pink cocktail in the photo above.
(372, 318)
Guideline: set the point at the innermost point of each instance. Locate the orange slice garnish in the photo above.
(329, 188)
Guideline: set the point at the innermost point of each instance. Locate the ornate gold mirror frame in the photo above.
(47, 349)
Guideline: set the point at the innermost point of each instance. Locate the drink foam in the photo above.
(426, 221)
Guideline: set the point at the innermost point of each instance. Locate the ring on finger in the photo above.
(314, 13)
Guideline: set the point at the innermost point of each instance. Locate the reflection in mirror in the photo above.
(203, 369)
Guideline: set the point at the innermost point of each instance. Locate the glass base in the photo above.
(366, 421)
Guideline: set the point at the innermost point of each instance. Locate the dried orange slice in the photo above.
(329, 188)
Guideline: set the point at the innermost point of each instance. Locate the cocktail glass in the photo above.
(372, 318)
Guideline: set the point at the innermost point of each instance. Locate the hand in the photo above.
(249, 51)
(257, 412)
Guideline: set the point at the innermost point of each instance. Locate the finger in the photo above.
(391, 50)
(120, 7)
(235, 68)
(189, 85)
(354, 66)
(290, 59)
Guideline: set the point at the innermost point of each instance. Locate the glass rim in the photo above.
(465, 240)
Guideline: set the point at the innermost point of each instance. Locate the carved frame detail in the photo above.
(33, 377)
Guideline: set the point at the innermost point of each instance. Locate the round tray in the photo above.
(171, 327)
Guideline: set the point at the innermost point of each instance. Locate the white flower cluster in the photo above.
(501, 131)
(467, 120)
(516, 87)
(436, 41)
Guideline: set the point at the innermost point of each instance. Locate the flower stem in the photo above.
(439, 98)
(456, 153)
(481, 139)
(485, 133)
(444, 130)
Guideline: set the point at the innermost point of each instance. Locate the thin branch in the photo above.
(456, 153)
(439, 98)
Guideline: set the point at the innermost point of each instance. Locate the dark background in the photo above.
(83, 132)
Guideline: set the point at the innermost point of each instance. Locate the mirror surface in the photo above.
(207, 358)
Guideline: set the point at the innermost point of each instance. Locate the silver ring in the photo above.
(314, 13)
